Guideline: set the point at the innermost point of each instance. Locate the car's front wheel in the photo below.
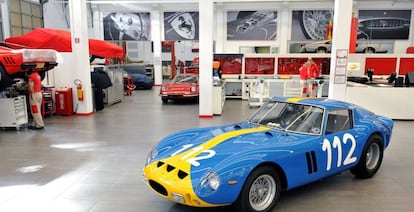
(321, 50)
(369, 50)
(164, 100)
(371, 158)
(261, 190)
(5, 79)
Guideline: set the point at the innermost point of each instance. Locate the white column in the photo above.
(80, 50)
(220, 34)
(4, 7)
(283, 27)
(206, 10)
(340, 41)
(156, 39)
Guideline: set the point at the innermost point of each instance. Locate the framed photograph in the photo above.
(383, 24)
(251, 25)
(310, 24)
(127, 26)
(181, 25)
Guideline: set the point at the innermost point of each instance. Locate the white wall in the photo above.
(54, 18)
(56, 15)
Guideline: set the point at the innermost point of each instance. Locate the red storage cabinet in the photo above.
(64, 101)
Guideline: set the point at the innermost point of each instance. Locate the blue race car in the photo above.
(289, 142)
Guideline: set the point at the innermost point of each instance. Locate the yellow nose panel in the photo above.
(168, 174)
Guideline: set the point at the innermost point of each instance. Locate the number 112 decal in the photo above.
(337, 144)
(190, 158)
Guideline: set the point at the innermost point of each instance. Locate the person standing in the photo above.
(308, 72)
(35, 100)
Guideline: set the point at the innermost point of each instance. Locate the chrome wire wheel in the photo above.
(262, 192)
(373, 156)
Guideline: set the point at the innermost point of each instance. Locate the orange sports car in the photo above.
(183, 86)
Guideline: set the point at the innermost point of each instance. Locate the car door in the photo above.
(336, 151)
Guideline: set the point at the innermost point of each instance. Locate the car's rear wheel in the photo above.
(5, 79)
(371, 158)
(261, 190)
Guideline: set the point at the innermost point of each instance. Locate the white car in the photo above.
(325, 46)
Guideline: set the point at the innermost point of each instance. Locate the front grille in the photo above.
(385, 24)
(177, 89)
(158, 187)
(172, 170)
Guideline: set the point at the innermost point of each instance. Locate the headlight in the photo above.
(151, 156)
(163, 88)
(193, 89)
(210, 180)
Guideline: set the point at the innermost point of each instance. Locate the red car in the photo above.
(183, 86)
(16, 63)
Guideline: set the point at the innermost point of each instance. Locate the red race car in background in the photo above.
(183, 86)
(16, 63)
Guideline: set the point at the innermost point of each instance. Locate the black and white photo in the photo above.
(252, 25)
(181, 25)
(310, 24)
(127, 26)
(384, 24)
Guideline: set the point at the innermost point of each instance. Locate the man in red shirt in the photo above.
(308, 72)
(35, 100)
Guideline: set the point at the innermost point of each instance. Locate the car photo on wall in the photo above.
(289, 142)
(325, 46)
(383, 24)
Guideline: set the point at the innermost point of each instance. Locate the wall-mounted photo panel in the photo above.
(251, 25)
(127, 26)
(383, 24)
(310, 24)
(181, 25)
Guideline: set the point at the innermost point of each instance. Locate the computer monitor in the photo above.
(409, 79)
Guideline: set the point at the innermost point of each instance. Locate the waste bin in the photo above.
(64, 101)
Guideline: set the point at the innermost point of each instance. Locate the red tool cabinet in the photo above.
(64, 101)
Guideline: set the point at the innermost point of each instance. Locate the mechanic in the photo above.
(35, 100)
(308, 72)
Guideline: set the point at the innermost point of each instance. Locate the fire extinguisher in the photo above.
(329, 30)
(79, 89)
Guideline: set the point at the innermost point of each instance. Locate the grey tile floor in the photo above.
(94, 164)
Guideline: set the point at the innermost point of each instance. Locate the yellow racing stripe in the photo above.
(295, 99)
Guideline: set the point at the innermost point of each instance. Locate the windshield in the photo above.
(185, 79)
(293, 117)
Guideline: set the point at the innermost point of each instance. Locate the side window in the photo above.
(339, 120)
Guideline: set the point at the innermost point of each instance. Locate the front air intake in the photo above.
(158, 188)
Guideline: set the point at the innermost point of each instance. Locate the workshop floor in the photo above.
(94, 164)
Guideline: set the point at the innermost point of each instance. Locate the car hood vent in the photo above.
(172, 169)
(9, 60)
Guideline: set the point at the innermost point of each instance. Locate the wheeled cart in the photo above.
(13, 112)
(259, 93)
